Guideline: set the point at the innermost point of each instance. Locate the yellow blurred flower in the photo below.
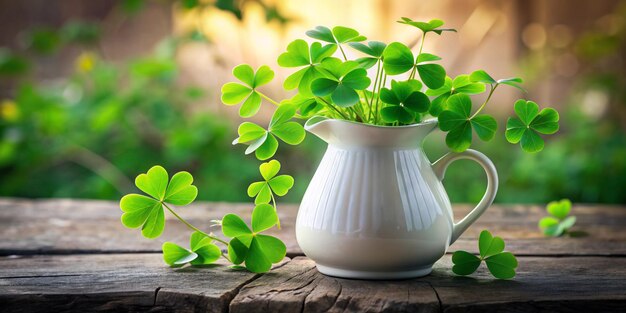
(9, 110)
(85, 62)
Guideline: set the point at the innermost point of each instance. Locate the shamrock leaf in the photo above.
(341, 82)
(204, 247)
(465, 263)
(456, 120)
(202, 252)
(489, 245)
(263, 142)
(557, 224)
(460, 84)
(559, 209)
(426, 27)
(405, 102)
(529, 124)
(480, 76)
(501, 264)
(337, 36)
(147, 212)
(235, 93)
(263, 191)
(398, 59)
(373, 48)
(307, 106)
(176, 256)
(299, 54)
(248, 246)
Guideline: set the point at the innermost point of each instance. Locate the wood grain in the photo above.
(87, 226)
(299, 287)
(577, 284)
(74, 255)
(115, 282)
(141, 282)
(544, 284)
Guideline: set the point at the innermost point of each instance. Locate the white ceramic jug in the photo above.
(376, 207)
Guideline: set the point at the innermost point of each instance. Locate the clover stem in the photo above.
(268, 98)
(367, 102)
(274, 204)
(334, 108)
(359, 118)
(493, 88)
(378, 99)
(422, 43)
(369, 118)
(342, 52)
(418, 54)
(412, 75)
(191, 226)
(226, 257)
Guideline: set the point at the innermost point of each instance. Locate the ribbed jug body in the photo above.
(374, 208)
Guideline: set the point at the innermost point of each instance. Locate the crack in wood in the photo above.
(232, 294)
(437, 295)
(39, 276)
(52, 251)
(156, 293)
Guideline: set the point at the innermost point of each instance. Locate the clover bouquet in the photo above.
(387, 85)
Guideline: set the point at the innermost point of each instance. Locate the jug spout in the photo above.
(319, 126)
(352, 134)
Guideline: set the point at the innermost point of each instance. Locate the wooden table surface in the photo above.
(74, 255)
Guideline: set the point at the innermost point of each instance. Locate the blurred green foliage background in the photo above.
(90, 132)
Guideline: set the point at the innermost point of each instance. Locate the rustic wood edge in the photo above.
(309, 291)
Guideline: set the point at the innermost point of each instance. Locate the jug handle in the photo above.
(440, 166)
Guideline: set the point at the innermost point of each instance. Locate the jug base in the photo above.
(344, 273)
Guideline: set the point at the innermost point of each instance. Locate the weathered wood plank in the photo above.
(69, 226)
(543, 284)
(114, 282)
(90, 226)
(141, 282)
(299, 287)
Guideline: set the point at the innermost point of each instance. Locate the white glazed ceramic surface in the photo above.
(376, 207)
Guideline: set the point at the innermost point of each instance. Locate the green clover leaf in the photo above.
(559, 209)
(147, 212)
(460, 84)
(374, 49)
(257, 251)
(501, 264)
(263, 142)
(176, 256)
(337, 36)
(489, 245)
(398, 59)
(341, 82)
(299, 54)
(557, 224)
(205, 249)
(529, 124)
(235, 93)
(263, 191)
(465, 263)
(307, 106)
(426, 27)
(405, 102)
(480, 76)
(202, 252)
(456, 120)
